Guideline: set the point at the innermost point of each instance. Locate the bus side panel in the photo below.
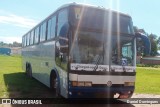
(63, 75)
(42, 60)
(45, 61)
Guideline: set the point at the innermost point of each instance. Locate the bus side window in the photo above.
(23, 41)
(62, 43)
(32, 37)
(28, 39)
(43, 32)
(51, 31)
(63, 30)
(62, 21)
(25, 44)
(36, 38)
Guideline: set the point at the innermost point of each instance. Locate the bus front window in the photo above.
(122, 51)
(87, 47)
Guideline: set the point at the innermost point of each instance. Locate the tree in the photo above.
(155, 42)
(140, 44)
(154, 46)
(158, 42)
(16, 44)
(136, 30)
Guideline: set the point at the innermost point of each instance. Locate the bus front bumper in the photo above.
(90, 92)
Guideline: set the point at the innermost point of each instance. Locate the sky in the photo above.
(19, 16)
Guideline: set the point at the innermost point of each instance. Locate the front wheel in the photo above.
(55, 86)
(126, 95)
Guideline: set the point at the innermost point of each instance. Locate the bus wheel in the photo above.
(55, 86)
(126, 95)
(130, 95)
(29, 70)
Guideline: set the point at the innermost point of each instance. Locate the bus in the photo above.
(83, 51)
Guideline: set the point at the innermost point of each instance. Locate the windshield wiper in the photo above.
(98, 59)
(123, 66)
(97, 62)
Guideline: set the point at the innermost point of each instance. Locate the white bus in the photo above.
(83, 51)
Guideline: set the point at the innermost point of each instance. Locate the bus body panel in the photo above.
(102, 79)
(63, 75)
(41, 58)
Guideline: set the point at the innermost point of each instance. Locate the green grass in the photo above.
(148, 65)
(15, 84)
(148, 80)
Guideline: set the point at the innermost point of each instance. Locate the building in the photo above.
(16, 50)
(5, 51)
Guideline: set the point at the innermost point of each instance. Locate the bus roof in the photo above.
(77, 4)
(92, 6)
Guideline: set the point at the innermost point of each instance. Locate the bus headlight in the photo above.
(88, 84)
(81, 84)
(74, 83)
(129, 84)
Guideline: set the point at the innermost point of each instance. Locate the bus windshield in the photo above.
(101, 20)
(90, 47)
(122, 50)
(87, 47)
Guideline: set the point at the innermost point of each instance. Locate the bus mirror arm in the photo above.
(147, 43)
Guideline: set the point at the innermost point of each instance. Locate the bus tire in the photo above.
(28, 70)
(130, 95)
(54, 84)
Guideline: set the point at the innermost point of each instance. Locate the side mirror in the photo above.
(63, 39)
(146, 41)
(63, 44)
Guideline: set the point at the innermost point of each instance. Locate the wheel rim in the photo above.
(55, 86)
(55, 83)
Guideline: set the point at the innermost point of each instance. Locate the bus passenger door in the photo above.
(61, 55)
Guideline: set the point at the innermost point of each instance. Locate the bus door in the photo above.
(61, 54)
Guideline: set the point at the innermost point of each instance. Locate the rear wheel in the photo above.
(29, 70)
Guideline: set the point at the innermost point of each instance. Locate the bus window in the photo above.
(51, 28)
(63, 30)
(43, 32)
(28, 39)
(32, 37)
(36, 35)
(62, 22)
(25, 40)
(62, 43)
